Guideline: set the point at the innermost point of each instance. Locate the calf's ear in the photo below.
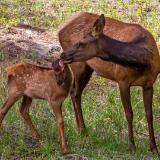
(98, 26)
(58, 66)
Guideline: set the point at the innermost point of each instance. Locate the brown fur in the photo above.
(79, 28)
(97, 44)
(31, 81)
(11, 70)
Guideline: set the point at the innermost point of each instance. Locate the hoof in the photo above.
(132, 148)
(37, 138)
(155, 151)
(65, 151)
(83, 131)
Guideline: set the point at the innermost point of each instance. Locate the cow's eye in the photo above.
(80, 45)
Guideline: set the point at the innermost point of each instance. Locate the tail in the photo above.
(12, 70)
(9, 71)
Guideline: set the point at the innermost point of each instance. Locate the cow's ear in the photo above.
(98, 26)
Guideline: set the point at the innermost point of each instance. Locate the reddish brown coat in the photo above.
(30, 81)
(76, 30)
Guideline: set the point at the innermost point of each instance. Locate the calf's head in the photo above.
(89, 47)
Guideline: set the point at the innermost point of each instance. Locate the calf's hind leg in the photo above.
(12, 98)
(24, 110)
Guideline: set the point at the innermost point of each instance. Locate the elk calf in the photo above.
(31, 81)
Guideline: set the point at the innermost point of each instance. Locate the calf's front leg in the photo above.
(58, 113)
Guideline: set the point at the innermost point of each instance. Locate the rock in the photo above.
(43, 49)
(75, 157)
(28, 42)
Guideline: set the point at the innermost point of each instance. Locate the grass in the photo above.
(105, 121)
(51, 13)
(102, 108)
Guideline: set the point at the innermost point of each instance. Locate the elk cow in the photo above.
(31, 81)
(78, 29)
(131, 54)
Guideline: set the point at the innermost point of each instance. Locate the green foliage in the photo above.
(105, 121)
(51, 13)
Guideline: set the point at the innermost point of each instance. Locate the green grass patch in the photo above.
(105, 120)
